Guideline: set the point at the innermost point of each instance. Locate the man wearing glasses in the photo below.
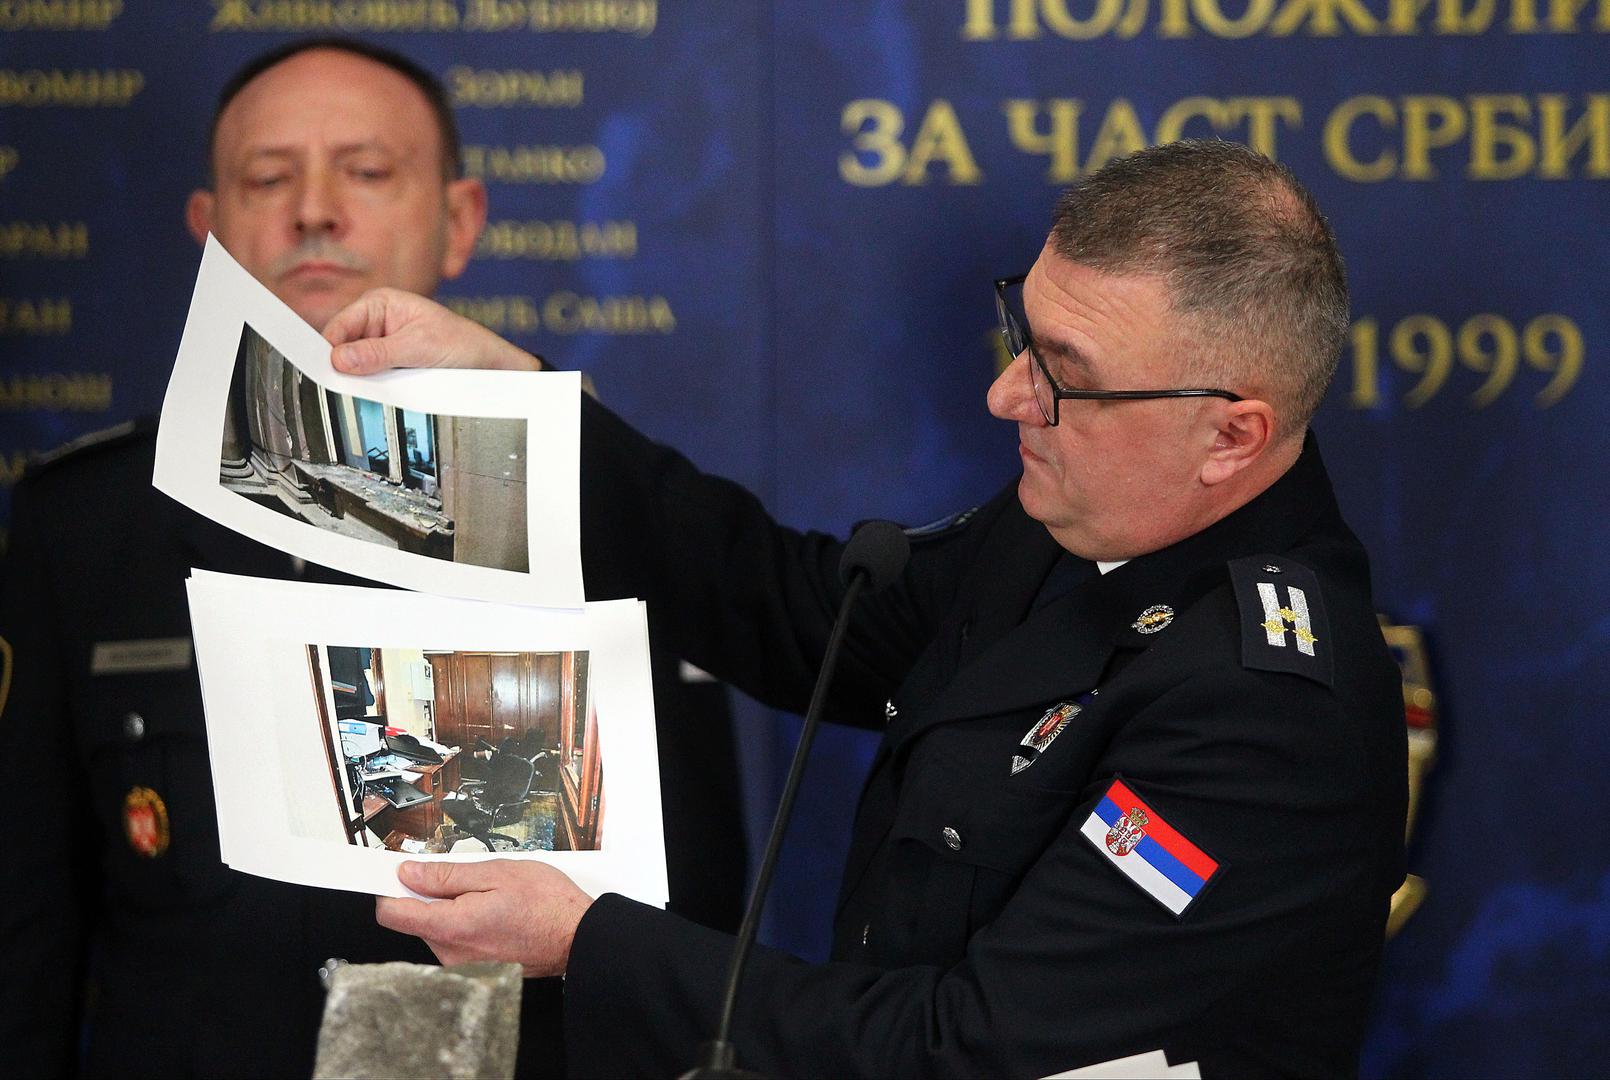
(1142, 777)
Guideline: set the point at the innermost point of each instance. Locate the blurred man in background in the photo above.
(129, 947)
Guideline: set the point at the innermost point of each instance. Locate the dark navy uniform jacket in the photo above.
(174, 965)
(985, 926)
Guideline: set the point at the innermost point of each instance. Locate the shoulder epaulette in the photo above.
(943, 527)
(105, 437)
(1283, 624)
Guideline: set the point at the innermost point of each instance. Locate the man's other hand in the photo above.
(502, 910)
(389, 328)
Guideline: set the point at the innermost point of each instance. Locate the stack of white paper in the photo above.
(464, 487)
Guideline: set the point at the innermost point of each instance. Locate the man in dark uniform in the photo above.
(1142, 780)
(129, 947)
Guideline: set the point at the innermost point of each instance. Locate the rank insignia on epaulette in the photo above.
(145, 822)
(1283, 626)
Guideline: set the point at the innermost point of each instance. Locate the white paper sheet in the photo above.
(278, 812)
(462, 411)
(1152, 1065)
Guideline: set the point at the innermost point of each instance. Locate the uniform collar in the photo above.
(1061, 649)
(1184, 572)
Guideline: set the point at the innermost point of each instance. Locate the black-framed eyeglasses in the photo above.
(1048, 393)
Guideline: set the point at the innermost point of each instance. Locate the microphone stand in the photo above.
(718, 1058)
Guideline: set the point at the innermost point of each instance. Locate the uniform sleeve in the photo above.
(48, 846)
(1079, 963)
(742, 597)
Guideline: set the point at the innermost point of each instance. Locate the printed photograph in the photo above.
(432, 752)
(450, 487)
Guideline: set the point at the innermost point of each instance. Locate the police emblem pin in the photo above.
(1153, 619)
(145, 822)
(1038, 737)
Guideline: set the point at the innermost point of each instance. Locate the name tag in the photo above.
(140, 657)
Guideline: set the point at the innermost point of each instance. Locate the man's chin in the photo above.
(1030, 492)
(1055, 515)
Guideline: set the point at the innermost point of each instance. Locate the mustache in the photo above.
(318, 249)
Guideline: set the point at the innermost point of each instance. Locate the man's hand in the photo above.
(513, 912)
(389, 328)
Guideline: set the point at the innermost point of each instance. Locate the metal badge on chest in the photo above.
(1045, 730)
(145, 822)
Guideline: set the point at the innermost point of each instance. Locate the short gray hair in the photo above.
(1245, 253)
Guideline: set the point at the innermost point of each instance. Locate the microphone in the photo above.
(880, 550)
(874, 558)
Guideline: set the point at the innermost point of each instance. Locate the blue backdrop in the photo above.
(767, 230)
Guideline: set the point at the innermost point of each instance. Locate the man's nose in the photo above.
(1011, 396)
(318, 209)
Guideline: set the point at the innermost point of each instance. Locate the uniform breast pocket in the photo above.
(148, 780)
(978, 838)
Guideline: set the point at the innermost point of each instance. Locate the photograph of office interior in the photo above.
(450, 487)
(438, 751)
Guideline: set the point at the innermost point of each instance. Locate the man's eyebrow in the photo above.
(269, 151)
(1064, 351)
(363, 146)
(292, 150)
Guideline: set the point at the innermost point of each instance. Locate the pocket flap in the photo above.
(963, 815)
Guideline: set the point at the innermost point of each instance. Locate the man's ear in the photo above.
(1245, 431)
(466, 217)
(198, 214)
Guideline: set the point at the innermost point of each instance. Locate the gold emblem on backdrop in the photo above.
(1002, 355)
(1420, 717)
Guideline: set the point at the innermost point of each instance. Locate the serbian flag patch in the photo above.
(1135, 838)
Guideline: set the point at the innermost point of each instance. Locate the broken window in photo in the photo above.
(448, 487)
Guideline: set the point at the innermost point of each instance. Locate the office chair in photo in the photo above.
(480, 806)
